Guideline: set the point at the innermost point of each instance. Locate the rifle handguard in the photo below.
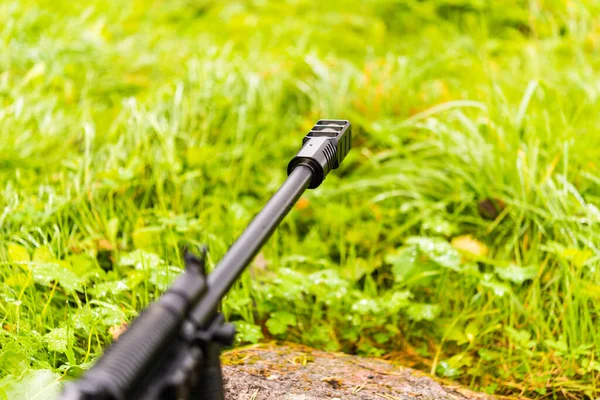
(323, 149)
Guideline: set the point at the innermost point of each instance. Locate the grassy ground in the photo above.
(461, 236)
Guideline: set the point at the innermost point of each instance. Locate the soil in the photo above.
(293, 372)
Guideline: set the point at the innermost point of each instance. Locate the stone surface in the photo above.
(292, 372)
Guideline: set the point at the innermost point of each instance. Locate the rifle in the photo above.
(171, 350)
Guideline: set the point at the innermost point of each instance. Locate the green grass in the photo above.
(128, 127)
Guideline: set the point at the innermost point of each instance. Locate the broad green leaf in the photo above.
(83, 266)
(498, 288)
(317, 333)
(457, 335)
(113, 287)
(460, 360)
(397, 301)
(45, 273)
(382, 337)
(472, 331)
(516, 274)
(163, 276)
(18, 253)
(560, 346)
(290, 282)
(107, 313)
(489, 355)
(350, 334)
(13, 358)
(590, 289)
(140, 260)
(33, 385)
(247, 332)
(155, 270)
(423, 312)
(591, 365)
(439, 226)
(521, 338)
(446, 370)
(43, 254)
(135, 278)
(366, 307)
(327, 278)
(576, 256)
(147, 238)
(58, 339)
(98, 313)
(327, 284)
(279, 322)
(19, 279)
(357, 269)
(403, 263)
(439, 251)
(453, 366)
(197, 156)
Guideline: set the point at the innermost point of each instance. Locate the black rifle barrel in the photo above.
(323, 149)
(249, 243)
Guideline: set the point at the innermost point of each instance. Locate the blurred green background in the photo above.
(459, 237)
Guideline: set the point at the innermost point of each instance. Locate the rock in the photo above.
(293, 372)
